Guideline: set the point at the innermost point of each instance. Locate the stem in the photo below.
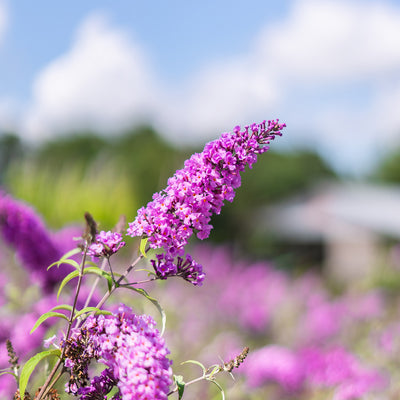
(78, 288)
(47, 386)
(117, 283)
(95, 283)
(90, 295)
(208, 377)
(52, 384)
(139, 282)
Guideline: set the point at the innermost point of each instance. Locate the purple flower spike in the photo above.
(199, 190)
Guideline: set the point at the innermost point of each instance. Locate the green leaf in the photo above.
(71, 253)
(66, 261)
(180, 384)
(215, 370)
(220, 388)
(197, 363)
(45, 316)
(8, 373)
(30, 365)
(66, 307)
(142, 247)
(88, 270)
(103, 274)
(156, 303)
(90, 310)
(71, 275)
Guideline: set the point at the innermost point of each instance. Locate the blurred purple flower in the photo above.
(35, 246)
(274, 364)
(339, 369)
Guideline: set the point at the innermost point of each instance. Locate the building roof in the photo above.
(328, 207)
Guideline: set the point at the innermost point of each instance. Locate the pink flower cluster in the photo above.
(106, 244)
(199, 190)
(134, 353)
(313, 367)
(186, 268)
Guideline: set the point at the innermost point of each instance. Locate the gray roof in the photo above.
(313, 215)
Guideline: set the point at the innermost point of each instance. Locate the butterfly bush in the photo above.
(131, 348)
(195, 193)
(133, 352)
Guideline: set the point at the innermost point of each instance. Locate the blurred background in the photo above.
(100, 102)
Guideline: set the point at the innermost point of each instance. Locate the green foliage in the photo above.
(80, 150)
(389, 169)
(74, 174)
(62, 195)
(87, 270)
(180, 384)
(147, 159)
(30, 365)
(115, 176)
(65, 259)
(10, 149)
(46, 316)
(142, 246)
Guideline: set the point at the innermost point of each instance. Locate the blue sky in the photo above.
(330, 69)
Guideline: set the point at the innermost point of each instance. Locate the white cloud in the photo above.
(296, 67)
(103, 83)
(225, 94)
(328, 69)
(334, 40)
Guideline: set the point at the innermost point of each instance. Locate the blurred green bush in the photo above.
(81, 172)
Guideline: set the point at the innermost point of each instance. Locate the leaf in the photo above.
(156, 303)
(71, 275)
(45, 316)
(220, 388)
(142, 247)
(66, 307)
(30, 366)
(180, 384)
(8, 373)
(103, 274)
(71, 253)
(88, 270)
(215, 369)
(66, 261)
(197, 363)
(89, 310)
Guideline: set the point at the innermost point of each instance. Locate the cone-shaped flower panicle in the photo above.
(199, 190)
